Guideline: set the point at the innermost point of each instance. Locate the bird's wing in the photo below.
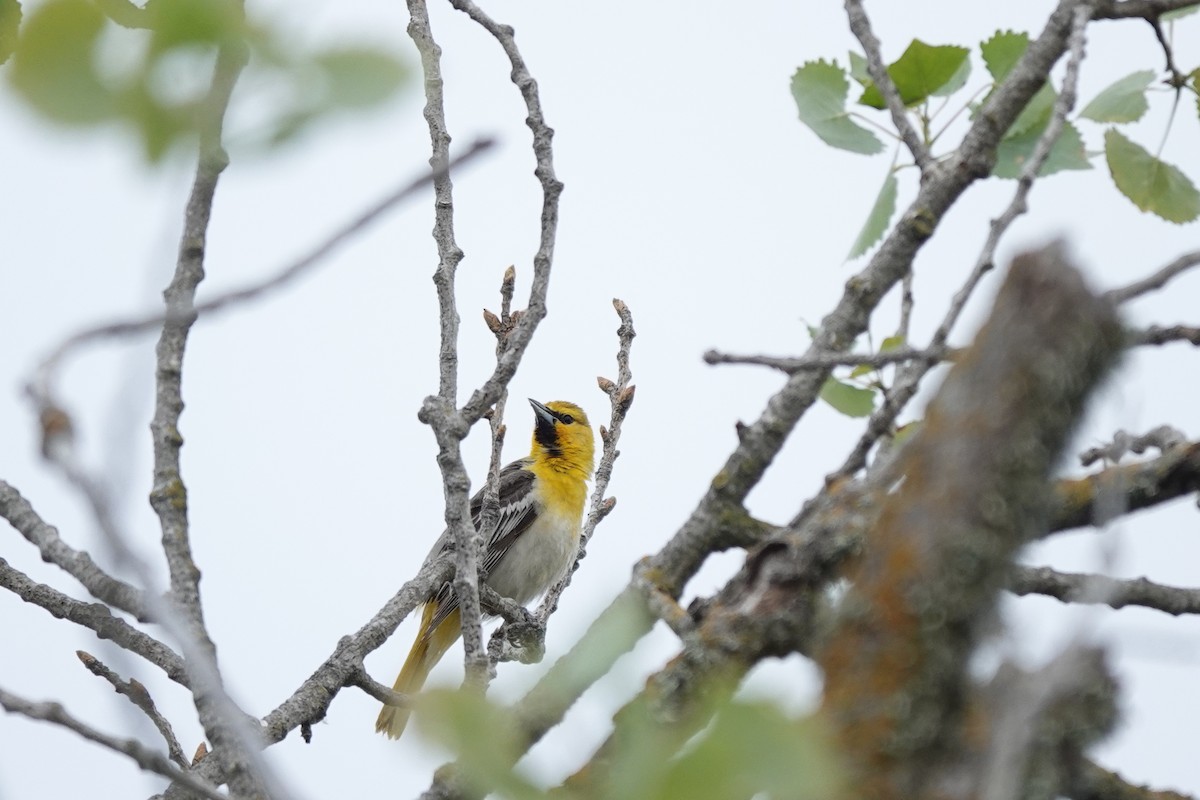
(517, 513)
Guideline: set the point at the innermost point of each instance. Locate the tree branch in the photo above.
(975, 478)
(1071, 587)
(1097, 783)
(1156, 281)
(76, 563)
(144, 757)
(141, 698)
(860, 26)
(97, 618)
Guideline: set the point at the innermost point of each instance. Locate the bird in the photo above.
(534, 544)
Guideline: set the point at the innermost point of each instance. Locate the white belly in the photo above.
(537, 559)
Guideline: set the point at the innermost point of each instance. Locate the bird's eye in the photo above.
(566, 419)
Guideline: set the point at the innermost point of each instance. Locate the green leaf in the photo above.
(860, 370)
(54, 68)
(1002, 52)
(358, 78)
(957, 80)
(891, 343)
(820, 91)
(1068, 153)
(752, 749)
(846, 399)
(1179, 13)
(878, 219)
(920, 71)
(1036, 113)
(1123, 101)
(858, 69)
(456, 719)
(10, 22)
(1153, 185)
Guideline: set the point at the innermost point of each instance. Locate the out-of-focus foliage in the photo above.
(82, 63)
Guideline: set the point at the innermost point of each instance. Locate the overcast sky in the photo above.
(692, 192)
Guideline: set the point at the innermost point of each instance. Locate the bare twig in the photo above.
(1156, 281)
(76, 563)
(1158, 335)
(97, 618)
(141, 698)
(535, 311)
(40, 385)
(1163, 438)
(826, 360)
(143, 756)
(861, 27)
(620, 395)
(1071, 587)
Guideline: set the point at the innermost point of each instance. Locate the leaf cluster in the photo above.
(925, 73)
(80, 63)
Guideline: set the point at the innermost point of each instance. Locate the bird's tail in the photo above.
(426, 652)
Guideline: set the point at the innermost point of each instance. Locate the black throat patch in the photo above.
(546, 437)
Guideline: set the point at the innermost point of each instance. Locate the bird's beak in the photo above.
(544, 415)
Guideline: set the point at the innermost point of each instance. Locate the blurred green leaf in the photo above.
(753, 748)
(820, 91)
(1123, 101)
(920, 71)
(10, 23)
(358, 78)
(179, 23)
(846, 399)
(878, 219)
(1152, 184)
(891, 343)
(860, 370)
(906, 432)
(1068, 153)
(481, 734)
(54, 67)
(858, 69)
(1002, 52)
(1179, 13)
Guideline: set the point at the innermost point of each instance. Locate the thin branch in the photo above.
(486, 395)
(1158, 335)
(826, 360)
(39, 386)
(97, 618)
(620, 396)
(146, 758)
(861, 27)
(1156, 281)
(448, 426)
(1071, 587)
(1163, 438)
(140, 697)
(1144, 9)
(76, 563)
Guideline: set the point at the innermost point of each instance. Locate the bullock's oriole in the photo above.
(541, 507)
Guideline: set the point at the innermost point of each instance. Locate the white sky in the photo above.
(692, 192)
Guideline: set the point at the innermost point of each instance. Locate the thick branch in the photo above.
(975, 489)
